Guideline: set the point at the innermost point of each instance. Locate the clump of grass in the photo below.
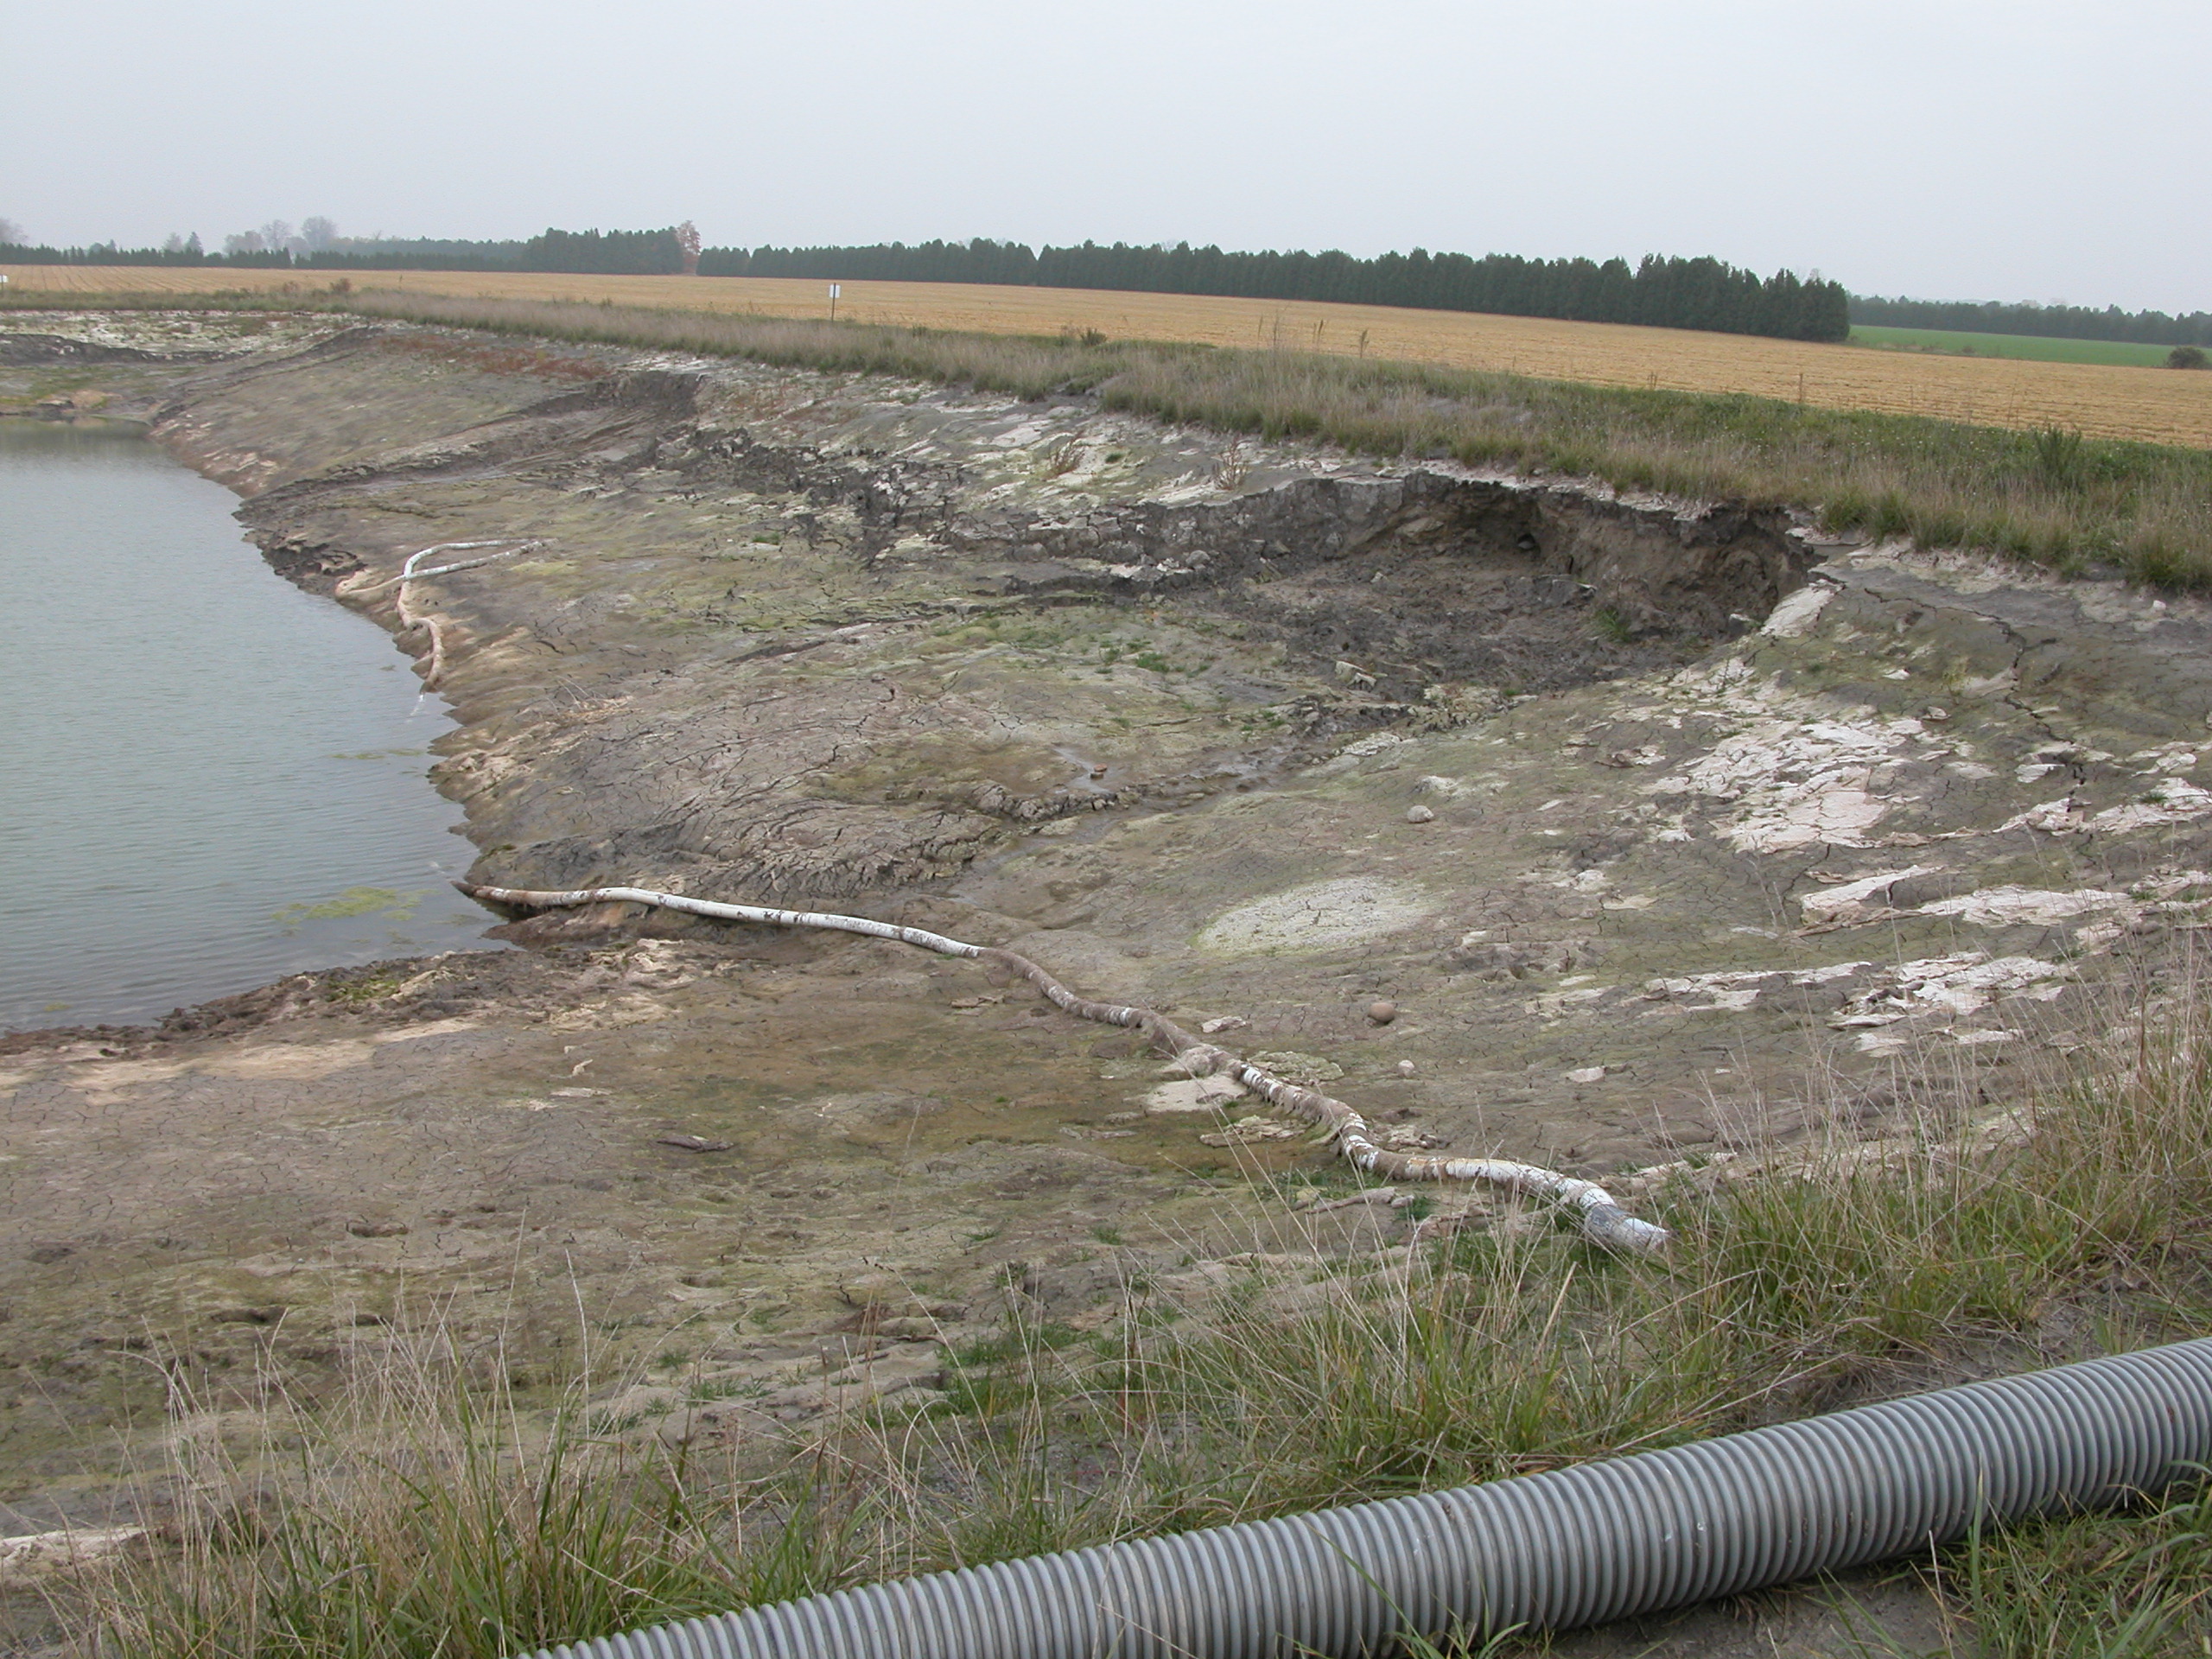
(358, 991)
(1060, 458)
(2104, 1587)
(418, 1517)
(2058, 457)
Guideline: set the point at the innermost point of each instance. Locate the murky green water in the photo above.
(208, 777)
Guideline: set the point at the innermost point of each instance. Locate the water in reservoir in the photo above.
(208, 778)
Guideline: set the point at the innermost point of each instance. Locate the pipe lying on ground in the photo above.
(409, 572)
(410, 619)
(1595, 1211)
(1573, 1547)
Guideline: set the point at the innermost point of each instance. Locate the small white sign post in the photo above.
(835, 288)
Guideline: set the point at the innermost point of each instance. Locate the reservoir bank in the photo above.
(1672, 837)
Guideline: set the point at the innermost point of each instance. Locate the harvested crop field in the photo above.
(2151, 404)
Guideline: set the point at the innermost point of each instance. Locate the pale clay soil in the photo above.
(1669, 831)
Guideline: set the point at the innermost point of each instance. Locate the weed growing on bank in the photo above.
(421, 1515)
(418, 1514)
(2143, 509)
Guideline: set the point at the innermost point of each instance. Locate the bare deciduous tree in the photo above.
(244, 242)
(13, 233)
(318, 232)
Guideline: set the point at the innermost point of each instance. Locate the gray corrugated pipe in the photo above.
(1572, 1547)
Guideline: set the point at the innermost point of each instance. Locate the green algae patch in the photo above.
(354, 901)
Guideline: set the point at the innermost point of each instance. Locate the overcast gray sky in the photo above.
(1953, 149)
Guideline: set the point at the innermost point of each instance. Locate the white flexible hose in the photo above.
(1596, 1211)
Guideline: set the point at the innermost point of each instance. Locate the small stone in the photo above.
(1405, 1068)
(1381, 1012)
(1933, 712)
(1248, 1129)
(1418, 814)
(1192, 1094)
(29, 1559)
(1587, 1074)
(1403, 1137)
(693, 1143)
(1309, 1069)
(1385, 1195)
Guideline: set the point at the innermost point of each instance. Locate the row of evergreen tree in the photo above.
(2047, 321)
(661, 252)
(1672, 293)
(1669, 293)
(181, 251)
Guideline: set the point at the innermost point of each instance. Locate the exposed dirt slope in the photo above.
(1667, 829)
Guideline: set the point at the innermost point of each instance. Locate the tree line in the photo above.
(1668, 293)
(274, 245)
(2046, 322)
(1661, 292)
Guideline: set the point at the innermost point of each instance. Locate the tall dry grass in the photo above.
(417, 1513)
(422, 1517)
(2142, 508)
(2047, 496)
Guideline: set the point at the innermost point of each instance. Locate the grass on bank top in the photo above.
(419, 1516)
(2034, 348)
(2051, 497)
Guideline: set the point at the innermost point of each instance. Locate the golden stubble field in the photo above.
(2159, 405)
